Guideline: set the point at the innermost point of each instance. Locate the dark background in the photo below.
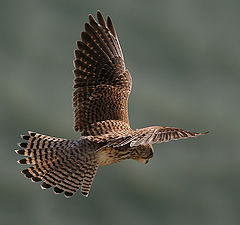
(184, 57)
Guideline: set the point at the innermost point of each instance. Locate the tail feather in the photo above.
(87, 182)
(57, 162)
(71, 183)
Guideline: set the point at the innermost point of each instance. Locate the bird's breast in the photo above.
(109, 155)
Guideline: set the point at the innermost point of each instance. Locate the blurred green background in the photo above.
(184, 57)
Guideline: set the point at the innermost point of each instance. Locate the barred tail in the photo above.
(57, 162)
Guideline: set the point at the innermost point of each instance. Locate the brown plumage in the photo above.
(102, 85)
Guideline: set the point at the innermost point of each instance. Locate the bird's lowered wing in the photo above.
(151, 135)
(102, 83)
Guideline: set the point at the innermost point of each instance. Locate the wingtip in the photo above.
(90, 17)
(207, 132)
(101, 19)
(87, 26)
(111, 26)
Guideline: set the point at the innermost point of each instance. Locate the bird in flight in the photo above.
(102, 86)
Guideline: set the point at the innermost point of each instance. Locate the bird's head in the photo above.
(143, 153)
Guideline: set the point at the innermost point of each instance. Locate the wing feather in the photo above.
(151, 135)
(102, 83)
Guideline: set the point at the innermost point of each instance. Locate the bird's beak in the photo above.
(147, 161)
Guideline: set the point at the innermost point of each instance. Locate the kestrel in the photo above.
(101, 89)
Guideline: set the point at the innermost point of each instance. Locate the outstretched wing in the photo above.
(102, 83)
(151, 135)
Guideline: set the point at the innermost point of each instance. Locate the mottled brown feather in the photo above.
(102, 83)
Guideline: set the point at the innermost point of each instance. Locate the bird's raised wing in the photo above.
(102, 83)
(151, 135)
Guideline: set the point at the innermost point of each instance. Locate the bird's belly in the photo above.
(108, 156)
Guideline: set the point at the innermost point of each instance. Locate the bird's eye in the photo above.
(149, 156)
